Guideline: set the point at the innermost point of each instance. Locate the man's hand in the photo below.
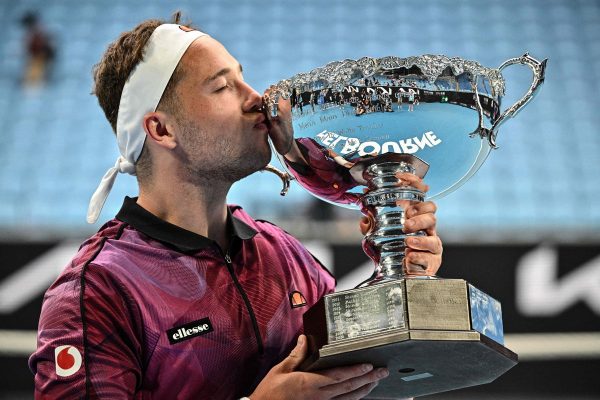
(284, 382)
(281, 130)
(280, 127)
(424, 253)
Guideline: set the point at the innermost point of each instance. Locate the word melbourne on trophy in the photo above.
(357, 123)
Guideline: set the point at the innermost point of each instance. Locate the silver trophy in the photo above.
(357, 123)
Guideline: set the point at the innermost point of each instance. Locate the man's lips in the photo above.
(260, 118)
(261, 122)
(261, 126)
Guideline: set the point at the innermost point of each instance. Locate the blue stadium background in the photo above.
(541, 186)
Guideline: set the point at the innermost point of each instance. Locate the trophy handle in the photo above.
(539, 71)
(284, 176)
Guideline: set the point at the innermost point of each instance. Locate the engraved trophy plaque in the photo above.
(356, 124)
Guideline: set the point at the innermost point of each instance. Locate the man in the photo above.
(40, 51)
(182, 296)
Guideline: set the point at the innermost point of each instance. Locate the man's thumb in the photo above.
(296, 356)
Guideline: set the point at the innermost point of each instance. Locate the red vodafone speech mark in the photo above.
(64, 359)
(67, 360)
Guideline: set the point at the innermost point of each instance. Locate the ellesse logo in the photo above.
(67, 360)
(189, 330)
(297, 299)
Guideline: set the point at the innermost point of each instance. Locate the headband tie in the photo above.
(141, 94)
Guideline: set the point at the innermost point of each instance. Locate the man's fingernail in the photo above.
(300, 340)
(409, 223)
(382, 373)
(366, 367)
(414, 240)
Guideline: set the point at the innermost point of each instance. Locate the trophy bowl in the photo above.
(444, 110)
(357, 124)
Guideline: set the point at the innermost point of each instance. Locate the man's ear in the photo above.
(159, 129)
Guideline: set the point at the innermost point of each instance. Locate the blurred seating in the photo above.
(56, 144)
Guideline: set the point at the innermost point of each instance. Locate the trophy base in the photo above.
(421, 330)
(421, 362)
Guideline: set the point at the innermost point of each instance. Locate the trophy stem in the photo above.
(385, 205)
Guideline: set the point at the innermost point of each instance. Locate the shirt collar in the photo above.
(182, 239)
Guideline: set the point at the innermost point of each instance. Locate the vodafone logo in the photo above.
(67, 360)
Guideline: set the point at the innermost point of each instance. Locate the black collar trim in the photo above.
(182, 239)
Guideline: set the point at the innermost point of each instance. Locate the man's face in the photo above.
(220, 130)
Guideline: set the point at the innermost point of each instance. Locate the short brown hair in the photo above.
(120, 58)
(111, 73)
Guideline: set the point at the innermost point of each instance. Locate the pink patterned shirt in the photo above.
(149, 310)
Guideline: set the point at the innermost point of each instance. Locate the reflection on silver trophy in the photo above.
(357, 124)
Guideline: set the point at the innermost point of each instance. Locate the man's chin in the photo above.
(265, 157)
(261, 160)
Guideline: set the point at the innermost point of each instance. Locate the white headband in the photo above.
(141, 94)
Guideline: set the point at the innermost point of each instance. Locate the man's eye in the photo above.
(222, 88)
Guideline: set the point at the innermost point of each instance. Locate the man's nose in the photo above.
(253, 100)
